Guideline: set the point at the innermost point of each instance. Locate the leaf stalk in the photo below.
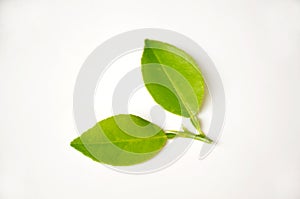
(187, 134)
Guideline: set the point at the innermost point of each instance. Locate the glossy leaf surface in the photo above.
(121, 140)
(173, 78)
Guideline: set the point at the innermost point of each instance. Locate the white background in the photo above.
(255, 46)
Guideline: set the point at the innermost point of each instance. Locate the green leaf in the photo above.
(121, 140)
(173, 78)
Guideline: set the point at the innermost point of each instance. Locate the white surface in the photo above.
(255, 46)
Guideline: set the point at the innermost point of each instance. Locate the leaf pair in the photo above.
(175, 82)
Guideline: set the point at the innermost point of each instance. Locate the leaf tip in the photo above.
(147, 42)
(74, 143)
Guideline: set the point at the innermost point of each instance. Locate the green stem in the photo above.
(195, 121)
(187, 134)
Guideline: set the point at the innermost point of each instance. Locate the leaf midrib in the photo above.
(121, 141)
(170, 79)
